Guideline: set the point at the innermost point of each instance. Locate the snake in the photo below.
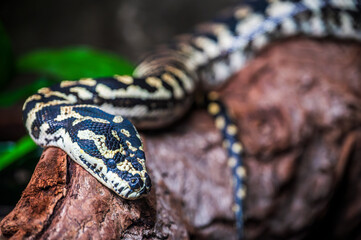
(95, 120)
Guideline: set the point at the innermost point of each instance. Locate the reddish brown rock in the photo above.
(298, 107)
(63, 201)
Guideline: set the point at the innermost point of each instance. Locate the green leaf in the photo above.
(6, 58)
(21, 148)
(74, 63)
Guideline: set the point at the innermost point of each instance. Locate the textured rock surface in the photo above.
(298, 107)
(66, 202)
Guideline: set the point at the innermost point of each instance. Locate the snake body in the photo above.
(92, 119)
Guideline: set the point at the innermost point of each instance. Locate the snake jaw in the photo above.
(136, 181)
(134, 186)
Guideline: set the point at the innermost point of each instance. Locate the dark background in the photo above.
(126, 27)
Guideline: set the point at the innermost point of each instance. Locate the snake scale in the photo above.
(93, 119)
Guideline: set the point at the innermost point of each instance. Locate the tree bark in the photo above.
(298, 107)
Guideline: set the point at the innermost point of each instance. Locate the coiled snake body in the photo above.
(92, 119)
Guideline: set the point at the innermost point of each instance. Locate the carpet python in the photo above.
(93, 119)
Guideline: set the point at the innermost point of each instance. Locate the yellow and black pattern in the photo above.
(234, 148)
(92, 119)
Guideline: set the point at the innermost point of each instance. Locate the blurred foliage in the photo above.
(74, 63)
(11, 152)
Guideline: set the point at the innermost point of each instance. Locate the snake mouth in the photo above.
(135, 187)
(130, 194)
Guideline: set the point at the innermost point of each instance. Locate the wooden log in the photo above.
(63, 201)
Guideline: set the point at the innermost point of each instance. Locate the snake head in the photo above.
(127, 172)
(134, 180)
(113, 153)
(128, 163)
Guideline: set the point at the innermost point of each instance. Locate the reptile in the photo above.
(94, 120)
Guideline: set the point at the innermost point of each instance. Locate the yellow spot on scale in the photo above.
(65, 113)
(154, 82)
(213, 95)
(33, 97)
(187, 82)
(241, 172)
(213, 108)
(44, 90)
(141, 160)
(241, 193)
(47, 92)
(220, 122)
(174, 70)
(117, 119)
(130, 146)
(82, 92)
(80, 118)
(232, 161)
(125, 132)
(210, 48)
(88, 82)
(124, 79)
(231, 129)
(66, 110)
(218, 28)
(178, 92)
(125, 166)
(236, 208)
(237, 147)
(242, 12)
(67, 83)
(114, 133)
